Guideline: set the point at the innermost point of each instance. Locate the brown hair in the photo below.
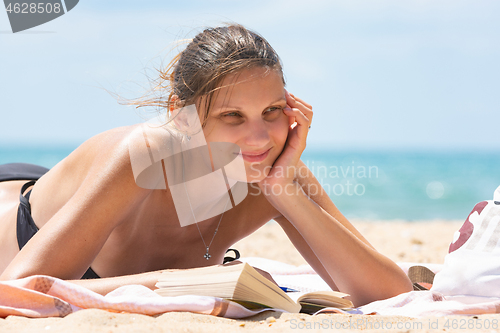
(211, 55)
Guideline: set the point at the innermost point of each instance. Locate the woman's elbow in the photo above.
(17, 272)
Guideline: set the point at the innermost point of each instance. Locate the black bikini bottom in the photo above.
(26, 227)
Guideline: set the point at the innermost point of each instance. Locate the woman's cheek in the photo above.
(281, 131)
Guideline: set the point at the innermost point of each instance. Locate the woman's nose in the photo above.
(257, 135)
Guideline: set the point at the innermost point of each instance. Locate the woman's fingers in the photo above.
(298, 102)
(309, 106)
(300, 117)
(302, 121)
(304, 107)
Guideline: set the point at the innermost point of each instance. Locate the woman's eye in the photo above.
(231, 114)
(232, 118)
(273, 113)
(274, 108)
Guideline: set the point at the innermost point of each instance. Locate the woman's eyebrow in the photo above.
(226, 107)
(281, 99)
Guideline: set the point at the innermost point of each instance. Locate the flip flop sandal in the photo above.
(421, 277)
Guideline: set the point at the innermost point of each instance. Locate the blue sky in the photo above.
(380, 74)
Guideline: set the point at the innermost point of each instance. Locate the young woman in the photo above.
(88, 217)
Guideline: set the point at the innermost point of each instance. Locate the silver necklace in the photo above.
(207, 254)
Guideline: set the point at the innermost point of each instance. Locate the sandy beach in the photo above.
(420, 242)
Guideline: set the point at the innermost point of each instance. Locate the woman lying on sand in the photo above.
(91, 212)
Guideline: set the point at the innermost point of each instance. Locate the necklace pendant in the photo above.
(207, 255)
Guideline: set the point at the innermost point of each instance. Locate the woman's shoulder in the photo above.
(104, 157)
(98, 170)
(111, 140)
(124, 140)
(107, 147)
(133, 154)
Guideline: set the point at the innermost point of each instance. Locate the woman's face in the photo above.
(248, 111)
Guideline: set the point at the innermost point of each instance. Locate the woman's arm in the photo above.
(333, 247)
(68, 243)
(104, 286)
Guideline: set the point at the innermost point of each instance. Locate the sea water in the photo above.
(409, 185)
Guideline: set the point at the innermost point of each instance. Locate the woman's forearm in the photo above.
(105, 285)
(354, 266)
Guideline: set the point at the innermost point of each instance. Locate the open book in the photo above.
(241, 283)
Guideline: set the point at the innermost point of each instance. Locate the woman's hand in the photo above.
(283, 171)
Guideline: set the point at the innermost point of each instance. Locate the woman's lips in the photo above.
(255, 157)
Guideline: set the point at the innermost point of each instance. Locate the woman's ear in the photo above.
(173, 103)
(181, 119)
(173, 110)
(174, 106)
